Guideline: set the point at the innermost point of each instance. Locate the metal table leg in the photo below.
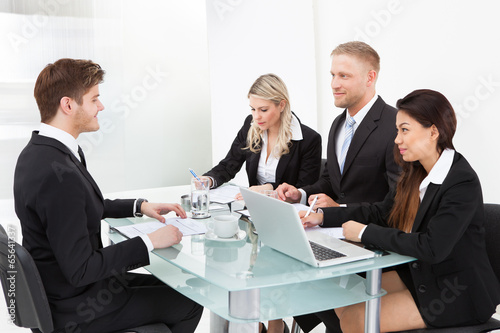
(372, 309)
(244, 304)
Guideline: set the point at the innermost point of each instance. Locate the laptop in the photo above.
(279, 227)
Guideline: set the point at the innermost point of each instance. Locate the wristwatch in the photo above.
(138, 204)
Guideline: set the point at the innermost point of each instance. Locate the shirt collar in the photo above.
(358, 117)
(58, 134)
(296, 130)
(439, 171)
(294, 126)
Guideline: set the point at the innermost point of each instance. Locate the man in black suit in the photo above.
(60, 208)
(360, 161)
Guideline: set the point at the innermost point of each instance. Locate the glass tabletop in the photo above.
(208, 270)
(247, 263)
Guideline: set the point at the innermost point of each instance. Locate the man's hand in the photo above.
(165, 237)
(288, 193)
(156, 210)
(312, 220)
(323, 200)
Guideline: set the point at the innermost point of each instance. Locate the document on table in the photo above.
(334, 232)
(224, 194)
(186, 226)
(297, 206)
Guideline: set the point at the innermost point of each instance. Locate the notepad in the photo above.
(224, 194)
(186, 226)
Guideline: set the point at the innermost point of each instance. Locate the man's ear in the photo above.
(65, 104)
(371, 78)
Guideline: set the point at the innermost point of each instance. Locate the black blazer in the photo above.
(452, 281)
(299, 167)
(369, 170)
(60, 208)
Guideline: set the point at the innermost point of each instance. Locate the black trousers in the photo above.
(329, 318)
(151, 302)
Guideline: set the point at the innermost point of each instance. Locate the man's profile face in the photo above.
(349, 81)
(86, 114)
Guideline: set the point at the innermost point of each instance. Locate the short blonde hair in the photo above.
(270, 87)
(360, 50)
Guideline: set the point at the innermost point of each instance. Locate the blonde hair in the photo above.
(270, 87)
(360, 50)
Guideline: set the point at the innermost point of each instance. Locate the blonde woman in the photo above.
(274, 144)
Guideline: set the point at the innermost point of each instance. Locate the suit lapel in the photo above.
(283, 162)
(333, 141)
(86, 174)
(367, 126)
(70, 158)
(430, 193)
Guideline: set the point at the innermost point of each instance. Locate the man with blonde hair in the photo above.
(360, 161)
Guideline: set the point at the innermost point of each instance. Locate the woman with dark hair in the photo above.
(436, 215)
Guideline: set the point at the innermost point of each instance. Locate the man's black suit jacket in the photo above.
(369, 170)
(452, 281)
(60, 208)
(301, 166)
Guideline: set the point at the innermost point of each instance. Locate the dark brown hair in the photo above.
(65, 78)
(428, 107)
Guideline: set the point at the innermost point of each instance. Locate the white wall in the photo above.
(247, 39)
(449, 46)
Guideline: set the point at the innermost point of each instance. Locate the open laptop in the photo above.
(280, 228)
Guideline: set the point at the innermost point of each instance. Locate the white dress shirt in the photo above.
(266, 169)
(69, 141)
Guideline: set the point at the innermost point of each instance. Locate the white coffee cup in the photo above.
(225, 226)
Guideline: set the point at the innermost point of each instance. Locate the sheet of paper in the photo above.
(224, 194)
(334, 232)
(297, 206)
(300, 207)
(186, 227)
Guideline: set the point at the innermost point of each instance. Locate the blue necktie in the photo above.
(349, 131)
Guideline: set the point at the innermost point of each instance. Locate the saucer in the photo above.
(240, 235)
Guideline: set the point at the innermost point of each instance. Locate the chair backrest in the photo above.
(24, 293)
(492, 227)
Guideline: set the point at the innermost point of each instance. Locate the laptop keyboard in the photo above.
(322, 253)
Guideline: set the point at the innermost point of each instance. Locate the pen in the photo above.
(311, 207)
(196, 176)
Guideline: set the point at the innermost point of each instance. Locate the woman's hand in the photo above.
(312, 220)
(351, 230)
(256, 188)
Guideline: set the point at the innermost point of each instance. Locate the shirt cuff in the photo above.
(320, 211)
(342, 205)
(148, 242)
(361, 232)
(135, 205)
(214, 182)
(303, 198)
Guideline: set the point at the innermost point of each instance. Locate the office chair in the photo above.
(31, 307)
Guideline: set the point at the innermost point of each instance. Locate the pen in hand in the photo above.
(197, 178)
(311, 207)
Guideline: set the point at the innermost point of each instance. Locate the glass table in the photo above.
(243, 282)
